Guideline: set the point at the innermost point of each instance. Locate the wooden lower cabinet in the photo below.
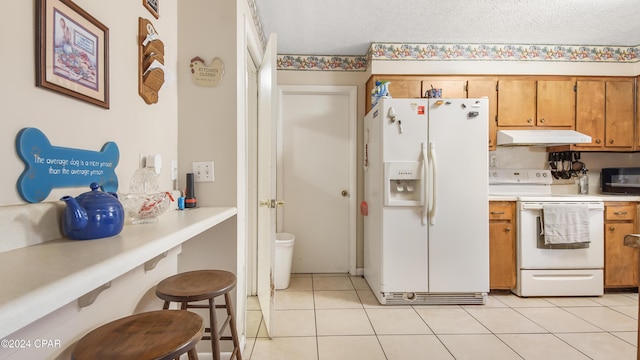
(502, 245)
(620, 262)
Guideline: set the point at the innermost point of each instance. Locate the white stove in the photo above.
(529, 185)
(551, 270)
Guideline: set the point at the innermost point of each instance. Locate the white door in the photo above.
(266, 232)
(317, 175)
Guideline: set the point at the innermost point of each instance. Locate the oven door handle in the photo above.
(538, 206)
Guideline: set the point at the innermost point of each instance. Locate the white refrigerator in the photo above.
(426, 221)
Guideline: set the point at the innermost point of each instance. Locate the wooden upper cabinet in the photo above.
(404, 89)
(482, 88)
(619, 114)
(516, 102)
(590, 112)
(400, 86)
(450, 88)
(542, 103)
(556, 104)
(637, 114)
(604, 111)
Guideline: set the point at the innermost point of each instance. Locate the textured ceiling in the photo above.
(348, 27)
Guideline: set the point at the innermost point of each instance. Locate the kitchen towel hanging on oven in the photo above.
(565, 223)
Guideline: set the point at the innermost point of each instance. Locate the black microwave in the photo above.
(624, 180)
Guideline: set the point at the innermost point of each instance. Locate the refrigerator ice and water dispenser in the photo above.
(403, 183)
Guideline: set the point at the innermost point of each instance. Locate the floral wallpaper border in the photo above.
(461, 52)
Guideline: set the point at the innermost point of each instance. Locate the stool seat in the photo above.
(195, 285)
(154, 335)
(190, 287)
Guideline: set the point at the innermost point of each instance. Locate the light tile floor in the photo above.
(336, 316)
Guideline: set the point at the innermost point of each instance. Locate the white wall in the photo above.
(136, 127)
(212, 128)
(508, 157)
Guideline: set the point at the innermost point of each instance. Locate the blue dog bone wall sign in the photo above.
(48, 167)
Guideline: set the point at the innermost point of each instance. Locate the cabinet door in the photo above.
(450, 88)
(404, 89)
(590, 112)
(481, 88)
(516, 102)
(399, 87)
(620, 262)
(637, 113)
(556, 103)
(502, 255)
(502, 245)
(619, 115)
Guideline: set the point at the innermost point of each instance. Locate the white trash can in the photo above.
(284, 258)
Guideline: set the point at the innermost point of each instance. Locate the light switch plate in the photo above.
(203, 171)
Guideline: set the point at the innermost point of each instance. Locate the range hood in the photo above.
(541, 137)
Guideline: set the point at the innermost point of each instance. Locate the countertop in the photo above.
(39, 279)
(603, 197)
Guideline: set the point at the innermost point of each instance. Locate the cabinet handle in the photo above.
(612, 228)
(620, 213)
(598, 141)
(496, 212)
(507, 229)
(542, 121)
(610, 141)
(529, 121)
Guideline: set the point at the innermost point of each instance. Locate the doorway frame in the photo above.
(351, 92)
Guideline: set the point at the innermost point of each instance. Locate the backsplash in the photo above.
(521, 157)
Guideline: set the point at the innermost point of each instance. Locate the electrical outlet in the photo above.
(174, 170)
(493, 160)
(203, 171)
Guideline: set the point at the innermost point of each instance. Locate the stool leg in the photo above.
(193, 354)
(232, 324)
(213, 323)
(166, 305)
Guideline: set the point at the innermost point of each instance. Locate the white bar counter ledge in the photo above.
(36, 280)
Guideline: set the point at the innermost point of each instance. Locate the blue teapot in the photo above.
(92, 215)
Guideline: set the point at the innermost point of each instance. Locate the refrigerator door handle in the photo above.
(425, 184)
(432, 195)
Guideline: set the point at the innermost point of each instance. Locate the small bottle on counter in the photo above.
(583, 181)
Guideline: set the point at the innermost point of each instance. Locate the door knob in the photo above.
(265, 203)
(345, 193)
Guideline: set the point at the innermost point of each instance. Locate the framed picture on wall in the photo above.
(72, 52)
(152, 6)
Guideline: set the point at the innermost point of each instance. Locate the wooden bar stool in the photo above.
(199, 285)
(154, 335)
